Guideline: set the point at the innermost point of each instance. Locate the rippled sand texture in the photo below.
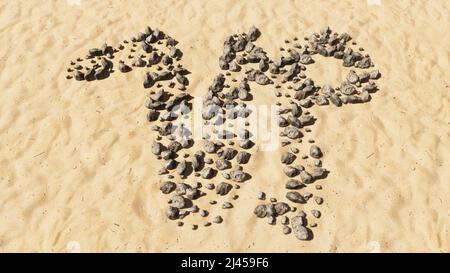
(76, 171)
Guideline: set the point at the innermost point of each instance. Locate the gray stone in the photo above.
(210, 147)
(318, 173)
(227, 205)
(281, 208)
(178, 201)
(306, 177)
(286, 230)
(260, 211)
(316, 213)
(301, 233)
(347, 89)
(319, 200)
(192, 194)
(223, 188)
(182, 188)
(222, 164)
(315, 151)
(261, 195)
(292, 132)
(335, 99)
(293, 184)
(352, 77)
(172, 213)
(207, 173)
(287, 158)
(253, 34)
(238, 176)
(217, 220)
(290, 171)
(156, 148)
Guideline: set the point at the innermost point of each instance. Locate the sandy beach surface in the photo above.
(77, 174)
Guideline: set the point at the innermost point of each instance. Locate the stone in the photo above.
(352, 77)
(178, 201)
(172, 213)
(347, 89)
(78, 75)
(318, 173)
(260, 211)
(284, 220)
(301, 233)
(204, 213)
(228, 153)
(293, 184)
(223, 164)
(238, 176)
(306, 177)
(375, 74)
(335, 99)
(192, 194)
(286, 230)
(207, 173)
(281, 208)
(262, 79)
(315, 213)
(321, 100)
(210, 147)
(123, 67)
(287, 158)
(217, 220)
(227, 205)
(290, 171)
(306, 59)
(292, 132)
(318, 200)
(261, 195)
(149, 81)
(182, 188)
(156, 148)
(245, 144)
(253, 34)
(167, 187)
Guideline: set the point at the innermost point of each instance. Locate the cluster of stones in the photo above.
(289, 76)
(151, 48)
